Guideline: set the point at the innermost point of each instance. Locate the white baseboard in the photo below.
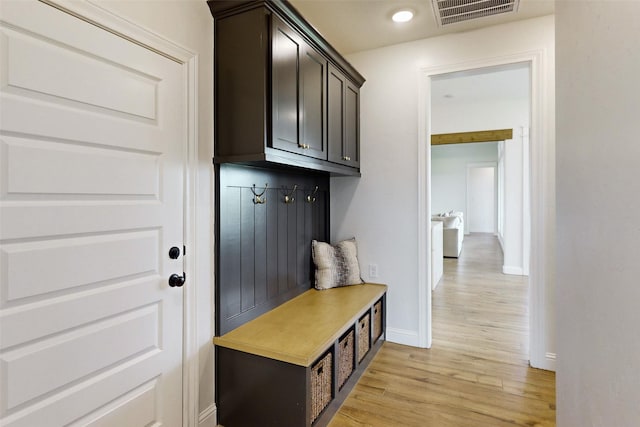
(509, 269)
(208, 417)
(548, 362)
(402, 336)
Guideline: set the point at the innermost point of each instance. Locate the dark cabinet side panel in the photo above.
(256, 391)
(241, 83)
(264, 249)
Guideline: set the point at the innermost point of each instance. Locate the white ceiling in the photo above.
(482, 85)
(355, 25)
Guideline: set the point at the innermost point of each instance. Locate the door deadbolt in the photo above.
(174, 252)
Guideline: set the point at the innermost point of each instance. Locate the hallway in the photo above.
(479, 310)
(476, 373)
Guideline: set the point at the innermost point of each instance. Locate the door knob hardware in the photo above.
(176, 281)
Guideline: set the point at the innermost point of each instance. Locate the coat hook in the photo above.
(311, 198)
(288, 198)
(258, 199)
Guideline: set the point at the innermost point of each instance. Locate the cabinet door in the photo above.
(343, 119)
(313, 72)
(352, 125)
(286, 50)
(298, 91)
(335, 115)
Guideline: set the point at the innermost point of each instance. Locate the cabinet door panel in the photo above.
(352, 126)
(286, 107)
(335, 115)
(343, 119)
(312, 73)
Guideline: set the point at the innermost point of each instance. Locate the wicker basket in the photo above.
(377, 320)
(345, 358)
(363, 336)
(321, 376)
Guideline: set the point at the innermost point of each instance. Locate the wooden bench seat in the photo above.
(265, 367)
(300, 330)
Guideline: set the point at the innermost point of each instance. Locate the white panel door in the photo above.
(481, 196)
(92, 149)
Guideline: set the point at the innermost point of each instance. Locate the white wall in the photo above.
(449, 174)
(598, 189)
(381, 208)
(189, 23)
(469, 117)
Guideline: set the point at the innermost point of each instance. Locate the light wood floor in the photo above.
(476, 373)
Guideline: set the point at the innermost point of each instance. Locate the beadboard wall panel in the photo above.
(266, 221)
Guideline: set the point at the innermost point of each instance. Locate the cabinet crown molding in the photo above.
(284, 9)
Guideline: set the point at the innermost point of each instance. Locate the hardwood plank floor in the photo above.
(477, 371)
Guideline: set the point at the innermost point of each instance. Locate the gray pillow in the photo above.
(336, 265)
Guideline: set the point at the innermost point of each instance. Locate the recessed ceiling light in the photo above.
(404, 15)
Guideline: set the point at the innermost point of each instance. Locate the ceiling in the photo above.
(503, 83)
(356, 25)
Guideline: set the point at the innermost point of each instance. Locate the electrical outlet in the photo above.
(373, 271)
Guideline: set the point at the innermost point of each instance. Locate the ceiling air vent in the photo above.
(453, 11)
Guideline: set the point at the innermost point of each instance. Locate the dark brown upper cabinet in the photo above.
(299, 74)
(274, 103)
(343, 119)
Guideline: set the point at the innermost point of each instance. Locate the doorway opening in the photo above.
(527, 259)
(479, 100)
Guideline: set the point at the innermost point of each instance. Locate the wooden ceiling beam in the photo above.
(467, 137)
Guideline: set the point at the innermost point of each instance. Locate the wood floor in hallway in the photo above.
(476, 374)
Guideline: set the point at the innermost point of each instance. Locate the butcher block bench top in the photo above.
(303, 328)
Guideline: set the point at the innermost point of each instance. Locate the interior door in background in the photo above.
(481, 199)
(92, 150)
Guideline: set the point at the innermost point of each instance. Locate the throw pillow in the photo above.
(336, 265)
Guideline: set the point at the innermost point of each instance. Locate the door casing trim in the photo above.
(538, 274)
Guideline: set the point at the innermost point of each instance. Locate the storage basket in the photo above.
(321, 377)
(363, 336)
(345, 358)
(377, 320)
